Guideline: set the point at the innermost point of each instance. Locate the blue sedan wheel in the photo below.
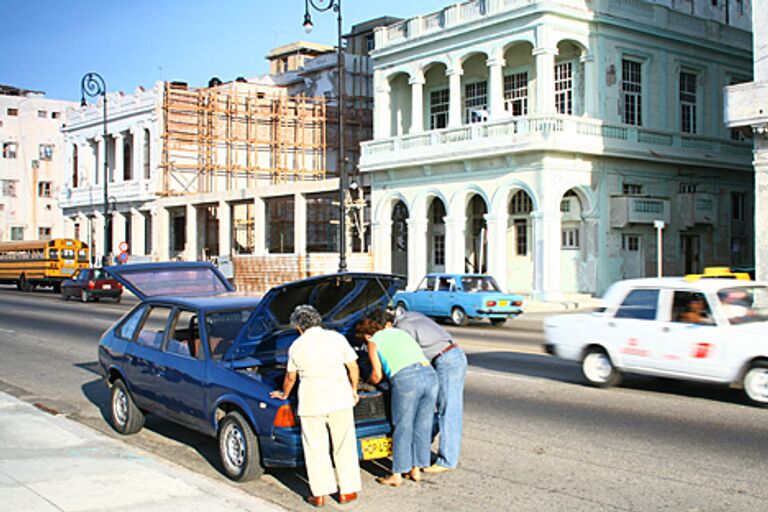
(239, 448)
(458, 316)
(126, 417)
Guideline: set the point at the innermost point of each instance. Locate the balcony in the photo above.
(696, 208)
(746, 104)
(558, 133)
(122, 192)
(625, 210)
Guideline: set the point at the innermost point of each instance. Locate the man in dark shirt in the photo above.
(450, 363)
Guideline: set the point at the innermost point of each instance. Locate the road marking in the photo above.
(503, 376)
(9, 331)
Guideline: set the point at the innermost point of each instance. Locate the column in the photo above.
(495, 88)
(497, 247)
(161, 229)
(191, 252)
(590, 85)
(455, 250)
(97, 237)
(381, 238)
(138, 154)
(545, 80)
(417, 103)
(225, 228)
(259, 226)
(101, 155)
(590, 248)
(119, 157)
(118, 232)
(381, 113)
(138, 233)
(761, 205)
(300, 224)
(454, 94)
(546, 255)
(417, 251)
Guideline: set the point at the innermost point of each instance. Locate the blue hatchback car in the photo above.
(460, 297)
(199, 354)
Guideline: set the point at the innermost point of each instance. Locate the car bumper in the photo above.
(491, 313)
(110, 294)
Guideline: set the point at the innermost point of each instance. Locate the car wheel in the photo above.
(400, 309)
(755, 383)
(64, 295)
(239, 448)
(498, 322)
(458, 316)
(125, 416)
(84, 296)
(598, 369)
(117, 299)
(23, 284)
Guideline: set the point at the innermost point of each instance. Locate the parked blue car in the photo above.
(460, 297)
(202, 356)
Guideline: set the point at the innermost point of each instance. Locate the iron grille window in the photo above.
(570, 238)
(516, 94)
(322, 222)
(44, 233)
(12, 111)
(521, 204)
(475, 102)
(439, 102)
(46, 151)
(8, 188)
(629, 189)
(564, 88)
(17, 233)
(439, 250)
(631, 87)
(737, 206)
(521, 237)
(630, 243)
(44, 189)
(9, 150)
(687, 102)
(280, 224)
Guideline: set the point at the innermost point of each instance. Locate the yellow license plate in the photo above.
(376, 448)
(503, 303)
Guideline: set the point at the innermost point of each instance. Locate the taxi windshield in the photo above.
(744, 304)
(479, 284)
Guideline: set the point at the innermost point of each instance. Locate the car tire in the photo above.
(458, 316)
(498, 322)
(85, 296)
(124, 415)
(239, 449)
(23, 284)
(755, 384)
(598, 369)
(117, 299)
(64, 295)
(400, 309)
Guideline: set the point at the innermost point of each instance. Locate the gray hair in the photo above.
(305, 317)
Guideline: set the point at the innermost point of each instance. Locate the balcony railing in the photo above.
(141, 190)
(555, 132)
(626, 210)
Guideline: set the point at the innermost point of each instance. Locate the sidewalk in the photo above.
(50, 463)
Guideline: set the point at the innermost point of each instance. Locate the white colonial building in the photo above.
(31, 164)
(747, 108)
(539, 141)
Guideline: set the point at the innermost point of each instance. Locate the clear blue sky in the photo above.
(49, 45)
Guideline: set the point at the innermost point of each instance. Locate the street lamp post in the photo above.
(93, 85)
(323, 6)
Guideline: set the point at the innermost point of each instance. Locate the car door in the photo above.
(424, 295)
(181, 370)
(145, 357)
(630, 330)
(444, 296)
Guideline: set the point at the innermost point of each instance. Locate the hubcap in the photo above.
(120, 407)
(234, 446)
(458, 316)
(756, 384)
(597, 367)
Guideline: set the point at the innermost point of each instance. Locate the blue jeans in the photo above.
(451, 368)
(414, 393)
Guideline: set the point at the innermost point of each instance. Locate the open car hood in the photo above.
(171, 279)
(341, 299)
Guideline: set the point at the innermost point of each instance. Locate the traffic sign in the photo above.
(123, 256)
(123, 246)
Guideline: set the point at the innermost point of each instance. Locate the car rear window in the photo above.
(639, 304)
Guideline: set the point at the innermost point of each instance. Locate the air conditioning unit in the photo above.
(35, 164)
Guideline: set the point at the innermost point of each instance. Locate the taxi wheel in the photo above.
(458, 316)
(239, 448)
(125, 416)
(598, 369)
(85, 296)
(755, 384)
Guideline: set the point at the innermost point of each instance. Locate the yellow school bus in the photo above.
(34, 263)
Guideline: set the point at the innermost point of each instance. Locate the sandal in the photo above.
(391, 480)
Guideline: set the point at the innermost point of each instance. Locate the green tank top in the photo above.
(397, 350)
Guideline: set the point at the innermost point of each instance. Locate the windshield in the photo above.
(479, 284)
(222, 327)
(744, 304)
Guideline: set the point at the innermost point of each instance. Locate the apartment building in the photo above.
(543, 142)
(31, 164)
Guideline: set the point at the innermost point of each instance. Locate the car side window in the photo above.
(691, 308)
(427, 284)
(444, 284)
(153, 328)
(185, 335)
(128, 329)
(640, 305)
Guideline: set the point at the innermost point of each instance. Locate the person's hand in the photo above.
(278, 394)
(355, 397)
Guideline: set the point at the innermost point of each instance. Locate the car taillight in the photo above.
(490, 303)
(91, 285)
(517, 303)
(119, 286)
(285, 417)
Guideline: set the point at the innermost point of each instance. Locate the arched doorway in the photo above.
(476, 241)
(572, 242)
(436, 236)
(520, 242)
(399, 248)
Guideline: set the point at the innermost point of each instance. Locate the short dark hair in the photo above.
(367, 327)
(305, 317)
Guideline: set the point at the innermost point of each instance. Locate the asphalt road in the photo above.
(535, 437)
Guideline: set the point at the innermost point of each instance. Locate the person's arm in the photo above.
(376, 372)
(353, 371)
(288, 383)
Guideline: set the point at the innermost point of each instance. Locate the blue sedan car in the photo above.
(199, 354)
(460, 297)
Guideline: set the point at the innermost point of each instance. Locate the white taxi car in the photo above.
(710, 330)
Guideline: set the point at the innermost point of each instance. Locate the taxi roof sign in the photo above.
(718, 273)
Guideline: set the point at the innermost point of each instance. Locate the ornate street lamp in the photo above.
(323, 6)
(93, 85)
